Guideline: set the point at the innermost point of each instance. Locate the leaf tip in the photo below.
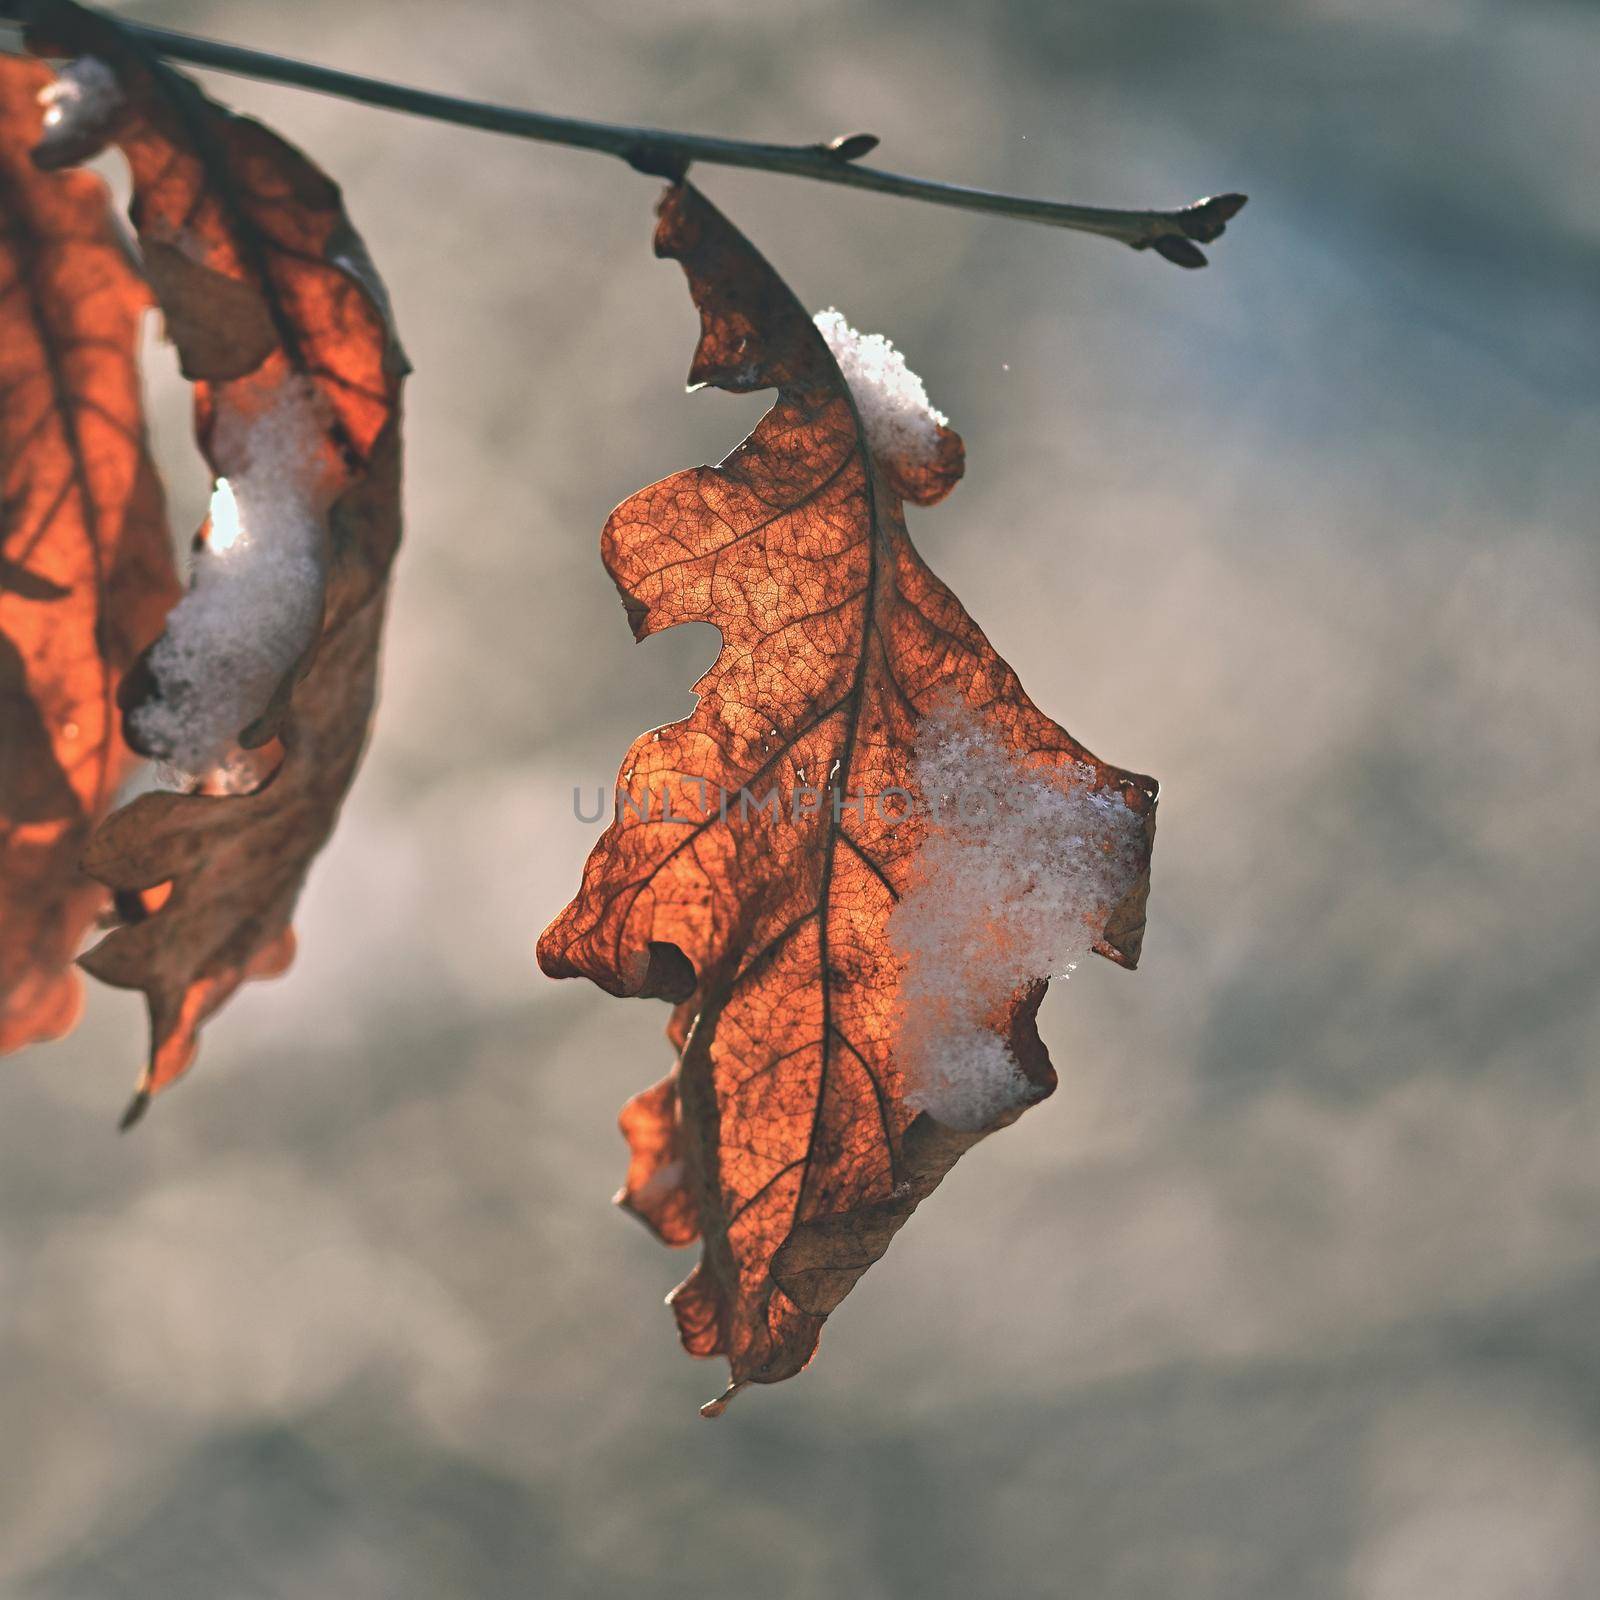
(638, 614)
(713, 1409)
(134, 1112)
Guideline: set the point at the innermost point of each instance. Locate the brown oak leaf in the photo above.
(284, 328)
(86, 571)
(788, 1136)
(278, 317)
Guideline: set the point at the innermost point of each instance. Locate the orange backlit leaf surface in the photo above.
(269, 295)
(86, 570)
(782, 1139)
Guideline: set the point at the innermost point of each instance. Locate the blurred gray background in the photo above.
(1293, 1289)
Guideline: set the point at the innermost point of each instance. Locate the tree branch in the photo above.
(1175, 235)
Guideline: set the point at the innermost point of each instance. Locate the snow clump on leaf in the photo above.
(1013, 883)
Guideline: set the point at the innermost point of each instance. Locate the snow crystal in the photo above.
(82, 101)
(1014, 882)
(901, 424)
(254, 604)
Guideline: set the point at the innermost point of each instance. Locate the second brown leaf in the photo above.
(263, 684)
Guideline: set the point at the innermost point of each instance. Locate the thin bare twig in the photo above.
(1175, 235)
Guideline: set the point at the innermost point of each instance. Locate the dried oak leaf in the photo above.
(86, 570)
(275, 307)
(783, 1137)
(266, 290)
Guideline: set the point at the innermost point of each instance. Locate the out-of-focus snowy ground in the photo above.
(1291, 1293)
